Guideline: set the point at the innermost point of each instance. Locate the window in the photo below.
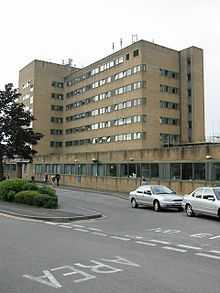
(136, 53)
(199, 171)
(189, 92)
(175, 171)
(187, 171)
(127, 56)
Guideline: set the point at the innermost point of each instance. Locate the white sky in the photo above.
(84, 30)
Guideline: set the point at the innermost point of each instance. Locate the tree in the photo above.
(16, 135)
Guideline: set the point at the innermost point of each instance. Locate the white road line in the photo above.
(51, 223)
(80, 230)
(159, 241)
(215, 251)
(188, 246)
(146, 243)
(65, 226)
(174, 249)
(120, 238)
(214, 237)
(99, 234)
(94, 229)
(208, 255)
(139, 237)
(79, 226)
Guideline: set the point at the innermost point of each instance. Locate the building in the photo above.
(140, 98)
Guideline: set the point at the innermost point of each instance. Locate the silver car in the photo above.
(156, 196)
(203, 200)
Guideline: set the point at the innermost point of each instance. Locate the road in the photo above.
(128, 250)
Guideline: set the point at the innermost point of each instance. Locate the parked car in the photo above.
(203, 200)
(156, 196)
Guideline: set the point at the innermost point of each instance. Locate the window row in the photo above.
(169, 89)
(58, 84)
(106, 139)
(167, 171)
(117, 76)
(56, 108)
(107, 109)
(56, 144)
(169, 105)
(56, 131)
(169, 73)
(96, 84)
(56, 120)
(57, 96)
(105, 66)
(169, 139)
(107, 124)
(169, 120)
(106, 95)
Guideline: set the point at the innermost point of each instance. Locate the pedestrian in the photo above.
(45, 178)
(143, 181)
(32, 178)
(58, 179)
(53, 177)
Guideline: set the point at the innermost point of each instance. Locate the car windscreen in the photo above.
(162, 190)
(217, 192)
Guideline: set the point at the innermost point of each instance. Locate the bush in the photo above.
(45, 201)
(26, 196)
(30, 186)
(11, 185)
(47, 190)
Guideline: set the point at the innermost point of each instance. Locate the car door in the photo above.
(196, 198)
(147, 196)
(209, 202)
(139, 195)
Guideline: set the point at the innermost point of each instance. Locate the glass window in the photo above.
(175, 171)
(155, 170)
(199, 171)
(216, 171)
(111, 170)
(187, 171)
(124, 170)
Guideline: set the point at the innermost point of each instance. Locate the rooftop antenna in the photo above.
(134, 38)
(113, 46)
(121, 42)
(70, 61)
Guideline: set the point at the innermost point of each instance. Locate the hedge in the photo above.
(25, 192)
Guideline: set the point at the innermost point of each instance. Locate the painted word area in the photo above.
(81, 272)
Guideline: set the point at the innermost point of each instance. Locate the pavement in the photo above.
(51, 215)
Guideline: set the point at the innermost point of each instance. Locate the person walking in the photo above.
(58, 179)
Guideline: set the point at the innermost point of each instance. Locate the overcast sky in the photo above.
(84, 30)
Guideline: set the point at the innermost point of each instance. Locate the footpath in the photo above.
(54, 215)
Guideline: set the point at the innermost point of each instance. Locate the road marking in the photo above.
(208, 255)
(159, 241)
(80, 230)
(201, 235)
(139, 237)
(174, 249)
(79, 226)
(188, 246)
(99, 234)
(94, 229)
(65, 226)
(146, 243)
(120, 238)
(51, 223)
(215, 237)
(215, 251)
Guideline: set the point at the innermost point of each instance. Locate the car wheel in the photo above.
(134, 204)
(156, 206)
(189, 210)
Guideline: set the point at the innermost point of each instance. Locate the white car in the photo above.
(156, 196)
(203, 200)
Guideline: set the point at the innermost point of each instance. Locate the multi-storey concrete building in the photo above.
(144, 96)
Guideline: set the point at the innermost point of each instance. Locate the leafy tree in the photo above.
(16, 135)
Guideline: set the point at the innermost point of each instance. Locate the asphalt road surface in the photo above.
(128, 250)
